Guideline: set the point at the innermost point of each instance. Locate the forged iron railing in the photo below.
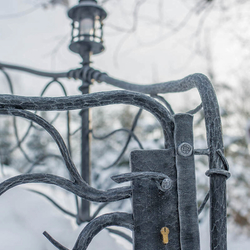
(163, 190)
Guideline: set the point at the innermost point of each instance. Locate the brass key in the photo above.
(165, 233)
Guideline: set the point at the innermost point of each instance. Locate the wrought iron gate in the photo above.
(163, 189)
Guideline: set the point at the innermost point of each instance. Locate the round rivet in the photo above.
(185, 149)
(166, 184)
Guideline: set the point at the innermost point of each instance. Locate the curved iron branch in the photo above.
(19, 142)
(40, 159)
(166, 103)
(8, 80)
(200, 81)
(98, 210)
(152, 89)
(54, 242)
(95, 100)
(78, 187)
(116, 131)
(53, 132)
(139, 175)
(207, 94)
(127, 141)
(34, 72)
(68, 114)
(95, 226)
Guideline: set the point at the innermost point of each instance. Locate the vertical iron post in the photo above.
(186, 182)
(84, 210)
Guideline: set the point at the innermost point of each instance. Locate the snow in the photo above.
(24, 216)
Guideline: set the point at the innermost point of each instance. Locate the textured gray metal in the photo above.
(77, 185)
(177, 132)
(95, 100)
(186, 184)
(164, 192)
(94, 227)
(152, 208)
(84, 210)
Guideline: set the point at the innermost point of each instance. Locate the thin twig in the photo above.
(98, 210)
(53, 202)
(197, 109)
(167, 104)
(203, 204)
(121, 234)
(21, 13)
(128, 140)
(41, 159)
(54, 242)
(115, 131)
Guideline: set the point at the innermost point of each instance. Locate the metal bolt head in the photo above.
(166, 184)
(185, 149)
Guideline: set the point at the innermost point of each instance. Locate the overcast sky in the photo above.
(31, 38)
(173, 39)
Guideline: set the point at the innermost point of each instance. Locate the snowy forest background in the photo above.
(147, 41)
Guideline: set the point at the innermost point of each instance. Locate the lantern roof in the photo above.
(87, 6)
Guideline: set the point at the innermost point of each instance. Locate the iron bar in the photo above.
(128, 140)
(54, 242)
(194, 111)
(203, 204)
(95, 100)
(186, 184)
(84, 210)
(33, 71)
(41, 158)
(140, 175)
(217, 164)
(98, 210)
(115, 131)
(77, 186)
(214, 140)
(163, 100)
(98, 224)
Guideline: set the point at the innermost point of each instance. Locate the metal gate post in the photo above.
(186, 183)
(154, 209)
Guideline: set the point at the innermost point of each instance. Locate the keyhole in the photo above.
(165, 233)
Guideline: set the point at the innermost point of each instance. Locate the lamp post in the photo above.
(86, 40)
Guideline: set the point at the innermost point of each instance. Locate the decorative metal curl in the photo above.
(77, 186)
(94, 227)
(95, 100)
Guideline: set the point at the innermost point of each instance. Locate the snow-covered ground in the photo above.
(24, 216)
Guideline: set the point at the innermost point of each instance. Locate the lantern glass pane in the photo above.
(75, 30)
(98, 32)
(86, 26)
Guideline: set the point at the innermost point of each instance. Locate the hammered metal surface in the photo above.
(186, 185)
(10, 105)
(152, 208)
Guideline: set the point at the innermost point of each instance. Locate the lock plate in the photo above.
(154, 209)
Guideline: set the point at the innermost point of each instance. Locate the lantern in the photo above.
(87, 32)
